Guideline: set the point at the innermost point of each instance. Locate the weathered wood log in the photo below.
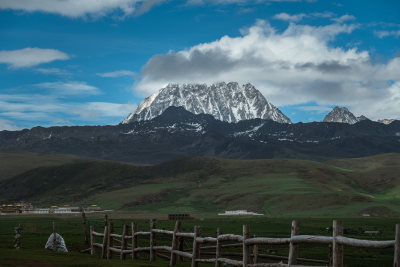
(85, 232)
(337, 248)
(196, 246)
(265, 256)
(218, 249)
(117, 250)
(110, 240)
(98, 234)
(341, 240)
(235, 245)
(268, 241)
(186, 235)
(134, 240)
(92, 249)
(180, 248)
(165, 257)
(206, 240)
(255, 252)
(174, 245)
(396, 262)
(246, 250)
(97, 245)
(230, 262)
(160, 231)
(183, 254)
(231, 237)
(153, 225)
(166, 248)
(104, 245)
(116, 235)
(293, 247)
(142, 233)
(124, 242)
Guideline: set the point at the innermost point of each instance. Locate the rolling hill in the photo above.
(276, 187)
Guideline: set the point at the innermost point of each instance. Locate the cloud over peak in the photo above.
(298, 65)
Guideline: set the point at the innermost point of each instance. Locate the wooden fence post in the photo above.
(134, 240)
(153, 225)
(255, 252)
(85, 233)
(175, 244)
(123, 241)
(196, 246)
(54, 237)
(92, 249)
(180, 241)
(105, 220)
(337, 249)
(246, 249)
(110, 239)
(218, 248)
(293, 248)
(397, 247)
(104, 247)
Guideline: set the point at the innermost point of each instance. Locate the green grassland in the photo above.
(36, 230)
(275, 187)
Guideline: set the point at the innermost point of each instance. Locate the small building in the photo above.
(179, 217)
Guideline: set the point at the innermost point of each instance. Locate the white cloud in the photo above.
(7, 125)
(118, 73)
(287, 17)
(318, 109)
(382, 34)
(55, 71)
(77, 8)
(70, 88)
(29, 57)
(344, 18)
(35, 107)
(296, 66)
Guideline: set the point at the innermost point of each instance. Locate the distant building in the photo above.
(179, 217)
(238, 212)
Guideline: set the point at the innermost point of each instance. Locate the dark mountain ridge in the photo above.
(178, 133)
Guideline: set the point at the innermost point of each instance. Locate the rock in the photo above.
(60, 244)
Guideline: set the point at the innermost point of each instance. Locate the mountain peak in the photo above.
(343, 115)
(229, 102)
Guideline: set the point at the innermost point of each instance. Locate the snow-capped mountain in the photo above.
(343, 115)
(228, 102)
(386, 121)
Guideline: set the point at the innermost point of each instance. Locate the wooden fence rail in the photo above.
(248, 259)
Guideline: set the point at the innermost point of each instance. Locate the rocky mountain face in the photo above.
(228, 102)
(343, 115)
(178, 133)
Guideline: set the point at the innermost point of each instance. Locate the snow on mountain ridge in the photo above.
(224, 101)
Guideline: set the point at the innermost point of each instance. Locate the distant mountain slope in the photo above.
(208, 185)
(228, 102)
(343, 115)
(178, 133)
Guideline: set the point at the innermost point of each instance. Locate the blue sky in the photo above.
(91, 63)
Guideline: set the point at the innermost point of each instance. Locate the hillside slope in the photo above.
(209, 185)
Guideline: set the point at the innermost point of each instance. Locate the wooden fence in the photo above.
(336, 242)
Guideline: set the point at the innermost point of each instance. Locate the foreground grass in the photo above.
(36, 230)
